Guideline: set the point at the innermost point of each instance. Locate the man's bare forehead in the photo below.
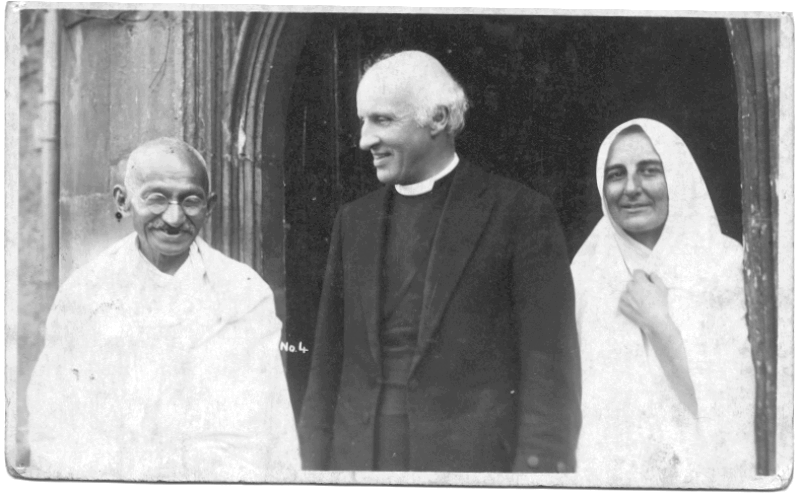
(391, 99)
(160, 167)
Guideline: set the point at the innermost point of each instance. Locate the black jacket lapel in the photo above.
(371, 245)
(464, 217)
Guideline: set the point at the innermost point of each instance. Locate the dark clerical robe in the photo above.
(410, 229)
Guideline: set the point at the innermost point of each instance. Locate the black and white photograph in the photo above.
(420, 245)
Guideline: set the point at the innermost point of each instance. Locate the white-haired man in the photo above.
(445, 338)
(161, 357)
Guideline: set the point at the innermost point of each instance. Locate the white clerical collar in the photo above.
(427, 184)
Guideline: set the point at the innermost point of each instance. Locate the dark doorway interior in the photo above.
(544, 92)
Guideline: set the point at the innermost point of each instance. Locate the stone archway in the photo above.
(755, 50)
(239, 76)
(239, 72)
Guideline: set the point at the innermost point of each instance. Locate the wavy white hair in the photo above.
(440, 89)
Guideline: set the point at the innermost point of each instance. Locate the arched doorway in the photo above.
(544, 89)
(544, 92)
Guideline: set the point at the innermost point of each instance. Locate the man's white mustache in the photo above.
(170, 229)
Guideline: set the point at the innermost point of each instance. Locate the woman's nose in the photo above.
(368, 137)
(633, 184)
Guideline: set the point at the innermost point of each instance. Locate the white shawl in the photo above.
(147, 376)
(635, 431)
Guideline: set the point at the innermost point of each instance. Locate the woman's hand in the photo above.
(644, 302)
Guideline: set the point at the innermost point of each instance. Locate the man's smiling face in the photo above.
(167, 235)
(399, 145)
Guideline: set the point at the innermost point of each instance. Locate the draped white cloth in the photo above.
(635, 431)
(147, 376)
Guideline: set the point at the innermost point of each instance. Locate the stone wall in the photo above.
(32, 305)
(121, 85)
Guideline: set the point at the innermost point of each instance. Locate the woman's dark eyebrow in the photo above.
(650, 162)
(614, 166)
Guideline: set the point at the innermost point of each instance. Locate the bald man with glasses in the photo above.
(161, 357)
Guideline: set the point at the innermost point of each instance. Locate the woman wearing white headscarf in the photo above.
(668, 380)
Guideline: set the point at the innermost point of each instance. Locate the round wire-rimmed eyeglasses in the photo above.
(158, 204)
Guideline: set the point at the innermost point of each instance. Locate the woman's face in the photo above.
(635, 188)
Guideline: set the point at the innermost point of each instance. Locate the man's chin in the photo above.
(386, 177)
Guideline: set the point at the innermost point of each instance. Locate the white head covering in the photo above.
(635, 430)
(691, 233)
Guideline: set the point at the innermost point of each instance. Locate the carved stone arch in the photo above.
(755, 50)
(239, 70)
(239, 73)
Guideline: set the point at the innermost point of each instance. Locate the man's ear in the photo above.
(439, 121)
(121, 199)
